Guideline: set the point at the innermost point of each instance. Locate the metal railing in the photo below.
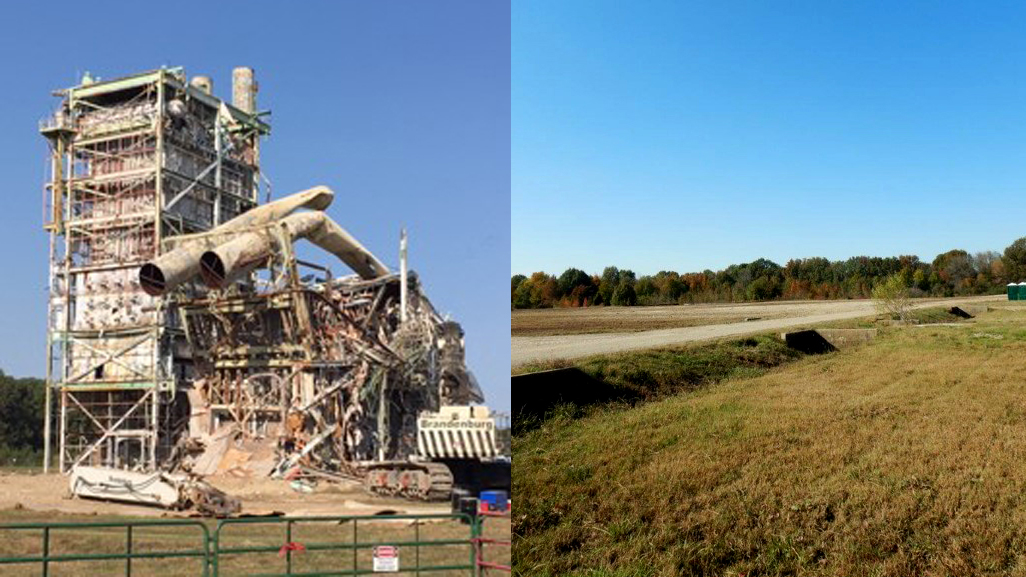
(289, 549)
(216, 547)
(483, 565)
(45, 559)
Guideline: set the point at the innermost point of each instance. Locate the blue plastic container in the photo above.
(494, 500)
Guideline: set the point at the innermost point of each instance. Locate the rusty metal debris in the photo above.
(176, 491)
(326, 367)
(185, 334)
(182, 263)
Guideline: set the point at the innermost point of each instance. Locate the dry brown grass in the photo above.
(903, 457)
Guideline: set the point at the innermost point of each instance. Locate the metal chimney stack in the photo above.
(403, 286)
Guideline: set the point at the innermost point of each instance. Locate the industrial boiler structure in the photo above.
(180, 316)
(134, 161)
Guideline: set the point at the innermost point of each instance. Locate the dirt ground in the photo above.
(694, 323)
(259, 496)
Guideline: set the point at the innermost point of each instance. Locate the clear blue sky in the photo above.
(686, 136)
(403, 108)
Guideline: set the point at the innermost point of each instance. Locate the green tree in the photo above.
(624, 294)
(646, 288)
(1014, 260)
(515, 281)
(609, 280)
(956, 272)
(919, 280)
(892, 297)
(576, 286)
(21, 417)
(763, 288)
(522, 295)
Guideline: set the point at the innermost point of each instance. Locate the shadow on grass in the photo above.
(565, 393)
(628, 378)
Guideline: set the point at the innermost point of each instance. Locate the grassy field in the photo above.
(906, 456)
(152, 539)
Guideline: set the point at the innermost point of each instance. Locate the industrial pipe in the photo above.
(172, 268)
(234, 258)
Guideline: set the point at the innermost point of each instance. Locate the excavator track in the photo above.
(419, 481)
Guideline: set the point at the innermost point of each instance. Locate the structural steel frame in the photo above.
(134, 162)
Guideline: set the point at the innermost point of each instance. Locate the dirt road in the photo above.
(527, 349)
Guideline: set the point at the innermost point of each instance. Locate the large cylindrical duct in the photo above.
(234, 258)
(177, 266)
(327, 234)
(230, 260)
(170, 269)
(244, 89)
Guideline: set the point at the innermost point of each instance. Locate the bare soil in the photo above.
(37, 498)
(259, 496)
(573, 333)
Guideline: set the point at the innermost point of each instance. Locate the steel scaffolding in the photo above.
(135, 161)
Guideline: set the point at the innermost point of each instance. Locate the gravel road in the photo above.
(527, 349)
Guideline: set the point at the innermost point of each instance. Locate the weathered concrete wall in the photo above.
(842, 338)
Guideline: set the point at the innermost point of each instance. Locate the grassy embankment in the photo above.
(906, 456)
(657, 373)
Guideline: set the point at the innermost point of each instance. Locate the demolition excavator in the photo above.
(354, 377)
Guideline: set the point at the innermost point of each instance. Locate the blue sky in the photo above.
(686, 136)
(402, 108)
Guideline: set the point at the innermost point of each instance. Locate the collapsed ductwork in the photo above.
(236, 257)
(338, 374)
(183, 263)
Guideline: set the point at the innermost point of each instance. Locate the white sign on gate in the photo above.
(386, 559)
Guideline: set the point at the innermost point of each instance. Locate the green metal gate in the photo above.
(19, 536)
(333, 545)
(344, 545)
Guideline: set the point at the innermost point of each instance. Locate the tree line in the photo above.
(953, 273)
(21, 420)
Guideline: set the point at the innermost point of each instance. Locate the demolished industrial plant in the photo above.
(185, 337)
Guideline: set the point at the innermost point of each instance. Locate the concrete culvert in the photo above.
(809, 342)
(816, 341)
(959, 312)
